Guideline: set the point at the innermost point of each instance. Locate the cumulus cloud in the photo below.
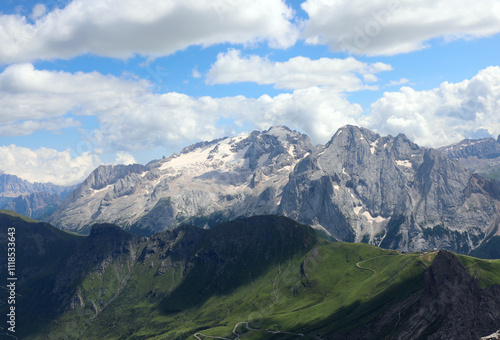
(296, 73)
(388, 27)
(46, 165)
(38, 11)
(28, 127)
(30, 94)
(443, 115)
(124, 158)
(116, 28)
(175, 119)
(132, 117)
(317, 111)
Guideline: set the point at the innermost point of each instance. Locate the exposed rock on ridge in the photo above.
(13, 186)
(360, 186)
(214, 181)
(451, 305)
(390, 192)
(480, 156)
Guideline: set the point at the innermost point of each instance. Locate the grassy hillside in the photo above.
(330, 286)
(258, 278)
(15, 214)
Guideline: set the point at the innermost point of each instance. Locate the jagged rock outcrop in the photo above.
(360, 186)
(452, 305)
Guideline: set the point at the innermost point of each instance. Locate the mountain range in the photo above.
(480, 156)
(263, 277)
(36, 200)
(359, 187)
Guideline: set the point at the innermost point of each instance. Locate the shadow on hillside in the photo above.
(234, 253)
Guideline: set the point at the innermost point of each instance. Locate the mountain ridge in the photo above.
(360, 186)
(14, 186)
(481, 156)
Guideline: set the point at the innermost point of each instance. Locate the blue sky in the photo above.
(90, 82)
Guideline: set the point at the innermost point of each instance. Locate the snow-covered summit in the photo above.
(360, 186)
(206, 178)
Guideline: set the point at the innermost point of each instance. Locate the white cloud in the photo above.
(388, 27)
(28, 127)
(46, 165)
(38, 11)
(318, 112)
(175, 119)
(131, 117)
(30, 94)
(398, 82)
(296, 73)
(196, 73)
(116, 28)
(124, 158)
(443, 115)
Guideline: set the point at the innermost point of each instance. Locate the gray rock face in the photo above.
(480, 148)
(38, 205)
(13, 186)
(209, 181)
(390, 192)
(478, 156)
(360, 186)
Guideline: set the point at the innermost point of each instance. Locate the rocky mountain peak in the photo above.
(486, 148)
(451, 294)
(37, 205)
(13, 186)
(481, 156)
(360, 186)
(446, 270)
(201, 145)
(280, 131)
(350, 134)
(107, 174)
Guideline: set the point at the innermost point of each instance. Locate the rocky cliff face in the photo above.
(360, 186)
(478, 156)
(452, 305)
(389, 192)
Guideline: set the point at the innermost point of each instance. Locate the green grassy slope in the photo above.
(330, 287)
(259, 278)
(15, 214)
(40, 250)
